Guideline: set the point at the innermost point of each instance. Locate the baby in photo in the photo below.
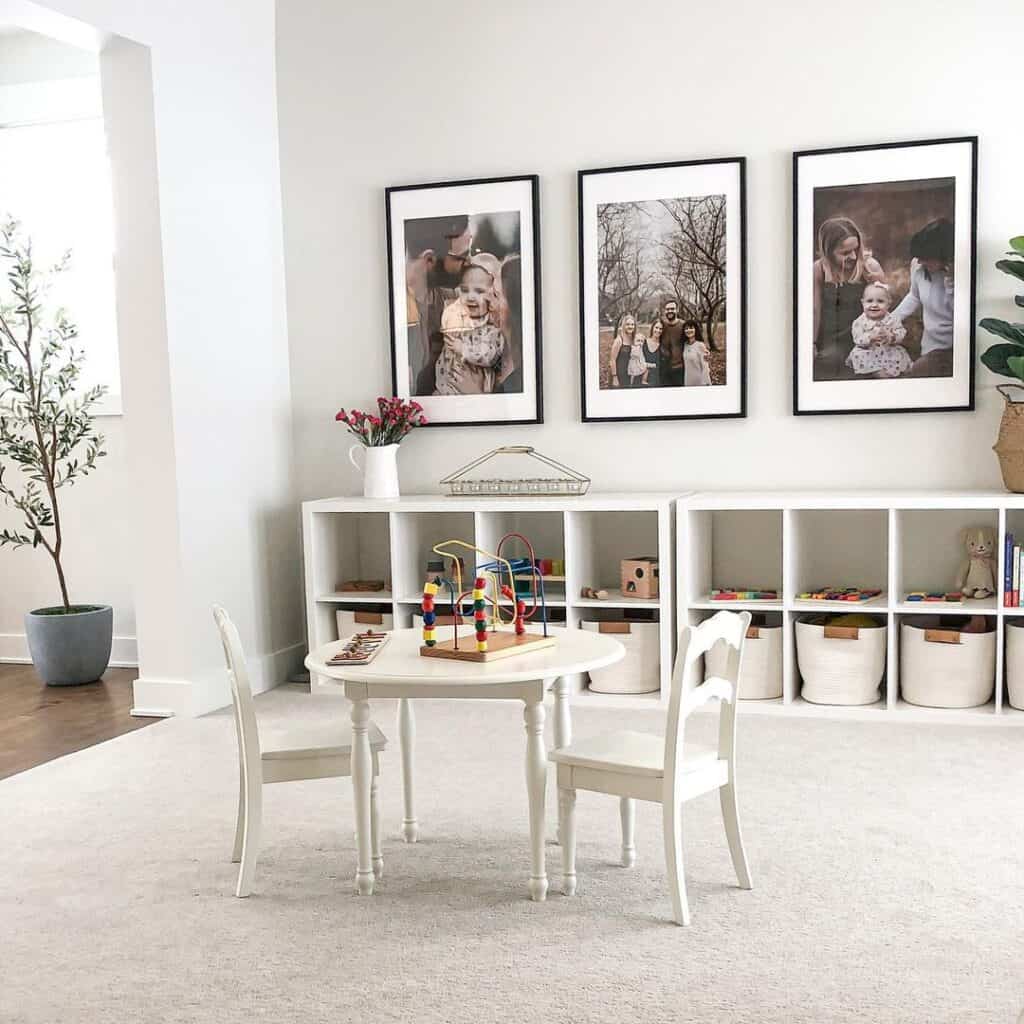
(473, 342)
(878, 336)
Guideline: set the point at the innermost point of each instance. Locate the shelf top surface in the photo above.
(594, 501)
(898, 499)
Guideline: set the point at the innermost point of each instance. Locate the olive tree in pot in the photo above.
(47, 442)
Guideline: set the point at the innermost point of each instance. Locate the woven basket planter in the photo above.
(943, 668)
(1009, 445)
(840, 665)
(761, 671)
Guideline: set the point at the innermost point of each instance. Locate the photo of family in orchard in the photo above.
(661, 268)
(883, 280)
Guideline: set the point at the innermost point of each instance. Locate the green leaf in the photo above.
(1017, 244)
(1019, 299)
(997, 359)
(1011, 332)
(1016, 366)
(1015, 268)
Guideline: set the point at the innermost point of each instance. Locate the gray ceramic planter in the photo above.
(70, 649)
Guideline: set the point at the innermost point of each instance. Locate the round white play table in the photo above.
(399, 671)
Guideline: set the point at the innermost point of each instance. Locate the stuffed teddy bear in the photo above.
(978, 570)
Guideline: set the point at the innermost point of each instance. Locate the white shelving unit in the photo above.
(792, 542)
(359, 538)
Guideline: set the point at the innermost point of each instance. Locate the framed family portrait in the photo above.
(883, 277)
(464, 284)
(663, 291)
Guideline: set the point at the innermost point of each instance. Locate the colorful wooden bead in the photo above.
(431, 588)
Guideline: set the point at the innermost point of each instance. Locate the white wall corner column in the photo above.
(191, 109)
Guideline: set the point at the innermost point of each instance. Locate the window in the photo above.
(55, 179)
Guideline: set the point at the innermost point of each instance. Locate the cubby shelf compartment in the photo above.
(896, 541)
(591, 535)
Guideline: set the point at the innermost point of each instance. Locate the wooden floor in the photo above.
(39, 723)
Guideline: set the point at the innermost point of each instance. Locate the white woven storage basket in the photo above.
(840, 665)
(350, 622)
(1015, 663)
(638, 670)
(761, 671)
(943, 668)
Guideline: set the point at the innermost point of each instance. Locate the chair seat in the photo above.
(332, 739)
(632, 753)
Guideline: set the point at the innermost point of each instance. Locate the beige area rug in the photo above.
(888, 862)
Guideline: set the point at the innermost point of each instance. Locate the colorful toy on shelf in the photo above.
(639, 577)
(593, 594)
(729, 594)
(977, 575)
(502, 576)
(935, 597)
(852, 594)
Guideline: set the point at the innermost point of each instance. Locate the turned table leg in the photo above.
(536, 783)
(563, 734)
(362, 780)
(407, 741)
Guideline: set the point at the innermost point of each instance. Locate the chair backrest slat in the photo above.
(729, 628)
(241, 691)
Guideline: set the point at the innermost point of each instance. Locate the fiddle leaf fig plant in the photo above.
(47, 438)
(1007, 358)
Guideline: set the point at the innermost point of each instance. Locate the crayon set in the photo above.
(851, 594)
(360, 649)
(744, 595)
(936, 597)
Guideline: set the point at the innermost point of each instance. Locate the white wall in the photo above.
(96, 511)
(202, 325)
(399, 91)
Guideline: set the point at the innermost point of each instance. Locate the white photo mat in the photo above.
(642, 184)
(458, 199)
(913, 162)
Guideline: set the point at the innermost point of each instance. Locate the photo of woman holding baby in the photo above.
(881, 242)
(463, 275)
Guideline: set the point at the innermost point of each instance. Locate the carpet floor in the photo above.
(887, 864)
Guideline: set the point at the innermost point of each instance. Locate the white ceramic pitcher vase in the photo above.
(379, 469)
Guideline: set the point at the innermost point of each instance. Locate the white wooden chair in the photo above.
(305, 754)
(638, 766)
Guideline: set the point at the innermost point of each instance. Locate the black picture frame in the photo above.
(535, 315)
(740, 411)
(968, 405)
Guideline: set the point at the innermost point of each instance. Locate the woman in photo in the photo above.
(931, 295)
(696, 372)
(841, 271)
(626, 348)
(653, 356)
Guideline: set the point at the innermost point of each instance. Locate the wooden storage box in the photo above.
(639, 577)
(638, 672)
(840, 665)
(1015, 663)
(941, 667)
(761, 671)
(350, 622)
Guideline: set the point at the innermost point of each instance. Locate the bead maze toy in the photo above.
(498, 575)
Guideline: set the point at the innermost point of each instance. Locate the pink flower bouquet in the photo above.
(395, 418)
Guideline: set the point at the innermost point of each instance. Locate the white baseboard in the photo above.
(14, 649)
(163, 698)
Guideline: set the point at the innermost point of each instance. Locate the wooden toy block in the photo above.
(639, 577)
